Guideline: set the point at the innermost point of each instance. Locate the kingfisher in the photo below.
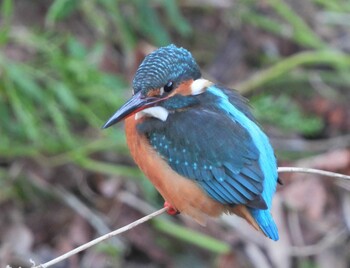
(198, 142)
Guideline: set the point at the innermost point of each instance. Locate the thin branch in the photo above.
(160, 211)
(312, 171)
(101, 238)
(284, 66)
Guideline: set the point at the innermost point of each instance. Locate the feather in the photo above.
(210, 148)
(219, 146)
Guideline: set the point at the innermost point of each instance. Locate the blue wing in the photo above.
(214, 151)
(219, 145)
(211, 147)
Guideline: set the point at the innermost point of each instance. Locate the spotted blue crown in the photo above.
(165, 64)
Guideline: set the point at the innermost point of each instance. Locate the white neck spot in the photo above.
(199, 86)
(157, 112)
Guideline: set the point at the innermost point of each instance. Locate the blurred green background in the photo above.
(66, 66)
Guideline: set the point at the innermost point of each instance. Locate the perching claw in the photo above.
(170, 209)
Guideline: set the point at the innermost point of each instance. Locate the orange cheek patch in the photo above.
(153, 92)
(184, 89)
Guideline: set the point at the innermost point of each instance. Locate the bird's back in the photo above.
(217, 144)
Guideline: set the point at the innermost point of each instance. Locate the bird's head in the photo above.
(167, 79)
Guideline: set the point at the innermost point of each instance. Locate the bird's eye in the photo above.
(169, 87)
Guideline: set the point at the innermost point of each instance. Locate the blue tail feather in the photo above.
(265, 222)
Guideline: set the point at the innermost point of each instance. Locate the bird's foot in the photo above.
(170, 209)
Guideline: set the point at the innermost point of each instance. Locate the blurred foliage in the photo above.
(54, 100)
(42, 106)
(127, 18)
(324, 60)
(292, 26)
(284, 113)
(48, 101)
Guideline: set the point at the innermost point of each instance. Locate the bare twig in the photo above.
(101, 238)
(295, 251)
(312, 171)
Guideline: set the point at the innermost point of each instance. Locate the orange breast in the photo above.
(183, 194)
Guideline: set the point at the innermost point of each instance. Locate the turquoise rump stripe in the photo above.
(267, 161)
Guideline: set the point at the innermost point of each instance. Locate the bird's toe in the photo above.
(170, 209)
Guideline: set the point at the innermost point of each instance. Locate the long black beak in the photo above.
(132, 106)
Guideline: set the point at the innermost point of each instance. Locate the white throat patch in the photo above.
(157, 112)
(199, 86)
